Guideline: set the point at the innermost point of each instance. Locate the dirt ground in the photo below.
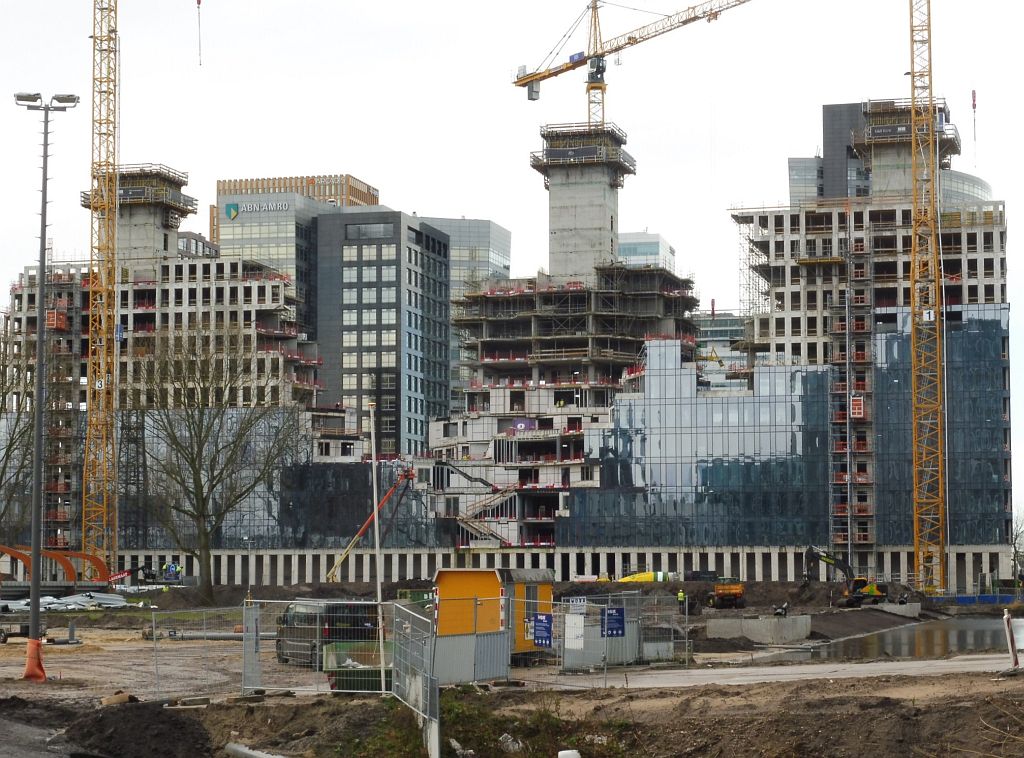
(899, 715)
(931, 716)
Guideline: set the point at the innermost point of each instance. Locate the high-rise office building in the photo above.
(341, 190)
(383, 315)
(276, 230)
(644, 249)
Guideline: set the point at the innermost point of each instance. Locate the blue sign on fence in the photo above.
(542, 630)
(613, 622)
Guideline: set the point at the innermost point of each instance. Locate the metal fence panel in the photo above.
(491, 656)
(318, 645)
(412, 635)
(654, 629)
(455, 658)
(196, 651)
(473, 641)
(413, 682)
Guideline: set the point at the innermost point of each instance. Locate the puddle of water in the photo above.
(931, 639)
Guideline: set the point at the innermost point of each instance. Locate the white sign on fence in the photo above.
(577, 604)
(574, 631)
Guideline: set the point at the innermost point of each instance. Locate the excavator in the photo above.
(858, 588)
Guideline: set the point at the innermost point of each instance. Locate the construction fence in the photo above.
(622, 629)
(195, 651)
(315, 646)
(478, 639)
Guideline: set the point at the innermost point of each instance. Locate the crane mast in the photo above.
(928, 413)
(99, 477)
(598, 49)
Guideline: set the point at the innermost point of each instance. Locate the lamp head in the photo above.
(27, 98)
(68, 100)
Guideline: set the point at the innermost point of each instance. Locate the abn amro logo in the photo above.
(231, 211)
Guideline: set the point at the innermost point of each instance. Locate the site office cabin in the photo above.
(471, 601)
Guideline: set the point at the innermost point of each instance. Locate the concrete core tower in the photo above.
(583, 167)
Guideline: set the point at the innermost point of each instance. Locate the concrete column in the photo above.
(648, 561)
(634, 560)
(887, 564)
(265, 559)
(664, 561)
(424, 567)
(790, 564)
(602, 563)
(294, 568)
(758, 566)
(396, 557)
(774, 565)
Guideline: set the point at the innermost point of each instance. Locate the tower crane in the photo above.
(99, 474)
(598, 50)
(928, 400)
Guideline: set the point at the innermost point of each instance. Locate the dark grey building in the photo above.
(383, 321)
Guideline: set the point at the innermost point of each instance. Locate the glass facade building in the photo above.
(275, 229)
(644, 249)
(478, 250)
(682, 467)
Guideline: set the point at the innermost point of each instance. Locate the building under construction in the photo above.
(548, 359)
(827, 284)
(167, 286)
(647, 461)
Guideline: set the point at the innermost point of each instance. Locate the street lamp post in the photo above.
(33, 101)
(378, 561)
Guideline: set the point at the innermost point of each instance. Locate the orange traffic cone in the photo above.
(34, 662)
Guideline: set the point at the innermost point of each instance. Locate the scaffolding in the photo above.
(62, 447)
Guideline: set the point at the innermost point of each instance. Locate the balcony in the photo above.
(859, 446)
(841, 477)
(858, 356)
(276, 331)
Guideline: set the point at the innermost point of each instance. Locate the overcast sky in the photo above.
(416, 99)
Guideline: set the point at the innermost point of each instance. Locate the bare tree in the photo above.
(218, 432)
(15, 440)
(1017, 544)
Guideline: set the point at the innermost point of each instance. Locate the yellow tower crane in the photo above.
(929, 413)
(99, 474)
(598, 50)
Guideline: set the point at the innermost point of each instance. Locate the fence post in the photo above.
(206, 653)
(476, 631)
(156, 656)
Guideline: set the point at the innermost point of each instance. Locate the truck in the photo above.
(727, 593)
(857, 589)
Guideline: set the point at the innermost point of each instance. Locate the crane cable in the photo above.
(199, 28)
(550, 57)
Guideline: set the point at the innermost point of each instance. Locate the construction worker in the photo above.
(681, 597)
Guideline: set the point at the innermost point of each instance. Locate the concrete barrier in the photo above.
(909, 610)
(767, 630)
